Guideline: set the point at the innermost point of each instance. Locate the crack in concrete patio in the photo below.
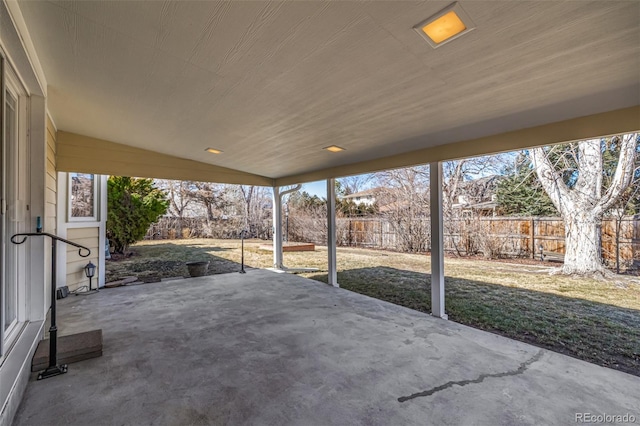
(521, 369)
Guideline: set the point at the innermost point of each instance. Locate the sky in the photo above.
(318, 188)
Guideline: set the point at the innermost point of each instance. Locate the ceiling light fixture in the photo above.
(213, 151)
(333, 148)
(446, 25)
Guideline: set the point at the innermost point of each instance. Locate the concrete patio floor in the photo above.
(267, 348)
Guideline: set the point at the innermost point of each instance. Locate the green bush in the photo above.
(133, 205)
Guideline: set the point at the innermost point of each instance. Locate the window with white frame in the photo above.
(82, 197)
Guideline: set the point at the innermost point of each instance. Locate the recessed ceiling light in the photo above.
(334, 148)
(446, 25)
(213, 151)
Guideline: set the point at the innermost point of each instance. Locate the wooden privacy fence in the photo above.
(491, 236)
(172, 228)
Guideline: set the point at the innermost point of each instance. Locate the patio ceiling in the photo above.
(272, 83)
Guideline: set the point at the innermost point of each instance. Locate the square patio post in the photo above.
(331, 233)
(437, 242)
(277, 228)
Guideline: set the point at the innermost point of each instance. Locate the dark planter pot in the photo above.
(198, 269)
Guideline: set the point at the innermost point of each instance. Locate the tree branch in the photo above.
(549, 178)
(623, 175)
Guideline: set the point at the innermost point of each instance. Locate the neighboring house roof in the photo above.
(478, 194)
(486, 205)
(361, 194)
(478, 190)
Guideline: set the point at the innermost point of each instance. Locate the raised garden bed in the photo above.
(288, 247)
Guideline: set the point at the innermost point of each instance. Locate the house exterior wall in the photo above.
(50, 202)
(50, 214)
(90, 233)
(367, 200)
(88, 237)
(29, 202)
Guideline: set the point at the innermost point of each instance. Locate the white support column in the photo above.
(277, 228)
(437, 248)
(331, 233)
(102, 228)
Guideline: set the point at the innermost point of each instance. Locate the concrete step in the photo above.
(71, 348)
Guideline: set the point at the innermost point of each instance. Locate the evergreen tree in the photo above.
(521, 194)
(133, 205)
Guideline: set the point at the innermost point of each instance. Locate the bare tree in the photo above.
(180, 196)
(453, 175)
(458, 177)
(456, 172)
(213, 197)
(353, 184)
(247, 196)
(180, 199)
(256, 208)
(403, 198)
(579, 195)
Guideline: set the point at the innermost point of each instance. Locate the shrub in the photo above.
(133, 205)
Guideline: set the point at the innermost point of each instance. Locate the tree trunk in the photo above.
(583, 205)
(582, 241)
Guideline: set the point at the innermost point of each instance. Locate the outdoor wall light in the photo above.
(90, 272)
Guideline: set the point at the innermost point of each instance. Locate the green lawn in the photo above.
(592, 320)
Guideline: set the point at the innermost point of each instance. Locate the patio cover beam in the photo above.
(619, 121)
(437, 241)
(79, 153)
(331, 233)
(84, 154)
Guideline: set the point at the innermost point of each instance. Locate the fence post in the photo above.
(350, 236)
(532, 237)
(618, 224)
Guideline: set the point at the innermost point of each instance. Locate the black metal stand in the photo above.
(54, 369)
(242, 271)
